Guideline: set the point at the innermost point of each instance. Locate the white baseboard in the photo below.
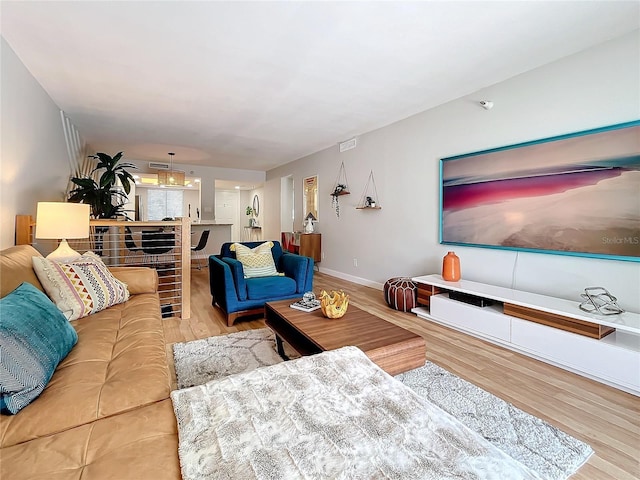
(351, 278)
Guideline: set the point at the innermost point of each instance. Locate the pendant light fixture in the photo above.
(171, 177)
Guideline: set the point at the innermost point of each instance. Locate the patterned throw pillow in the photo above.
(80, 287)
(34, 338)
(256, 262)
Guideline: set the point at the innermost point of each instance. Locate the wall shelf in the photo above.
(340, 188)
(369, 199)
(341, 193)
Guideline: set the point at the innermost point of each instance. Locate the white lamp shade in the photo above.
(58, 220)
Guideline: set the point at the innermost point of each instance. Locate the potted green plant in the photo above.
(251, 219)
(105, 196)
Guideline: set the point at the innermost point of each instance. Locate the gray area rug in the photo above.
(543, 448)
(211, 358)
(530, 440)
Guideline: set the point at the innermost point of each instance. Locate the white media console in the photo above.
(605, 348)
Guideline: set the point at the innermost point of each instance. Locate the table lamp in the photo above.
(62, 220)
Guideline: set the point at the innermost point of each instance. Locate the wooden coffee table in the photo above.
(391, 347)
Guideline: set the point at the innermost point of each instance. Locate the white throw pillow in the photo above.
(80, 287)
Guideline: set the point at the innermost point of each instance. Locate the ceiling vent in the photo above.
(348, 145)
(159, 166)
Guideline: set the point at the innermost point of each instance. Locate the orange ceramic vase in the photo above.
(451, 267)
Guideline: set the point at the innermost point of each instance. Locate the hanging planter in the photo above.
(339, 188)
(338, 192)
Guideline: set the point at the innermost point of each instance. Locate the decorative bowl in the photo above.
(334, 304)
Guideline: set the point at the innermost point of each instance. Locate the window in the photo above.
(163, 203)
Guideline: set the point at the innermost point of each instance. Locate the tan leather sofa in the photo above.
(106, 412)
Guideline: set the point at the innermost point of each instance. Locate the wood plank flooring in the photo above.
(605, 418)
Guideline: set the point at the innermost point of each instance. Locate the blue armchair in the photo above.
(237, 296)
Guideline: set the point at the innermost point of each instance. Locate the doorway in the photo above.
(286, 204)
(227, 211)
(239, 204)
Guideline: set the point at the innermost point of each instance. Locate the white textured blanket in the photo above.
(335, 415)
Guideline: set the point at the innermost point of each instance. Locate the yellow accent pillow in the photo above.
(256, 262)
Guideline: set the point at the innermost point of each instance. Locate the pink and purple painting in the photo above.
(577, 194)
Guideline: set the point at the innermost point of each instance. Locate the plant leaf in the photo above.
(125, 182)
(104, 158)
(108, 179)
(127, 165)
(84, 182)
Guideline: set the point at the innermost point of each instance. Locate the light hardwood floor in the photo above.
(605, 418)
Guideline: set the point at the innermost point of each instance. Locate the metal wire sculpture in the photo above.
(599, 300)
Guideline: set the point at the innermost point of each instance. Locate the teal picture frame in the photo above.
(574, 194)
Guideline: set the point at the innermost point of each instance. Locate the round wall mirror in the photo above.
(256, 205)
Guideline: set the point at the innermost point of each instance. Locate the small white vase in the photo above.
(308, 227)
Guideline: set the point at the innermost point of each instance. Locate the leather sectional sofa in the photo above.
(106, 412)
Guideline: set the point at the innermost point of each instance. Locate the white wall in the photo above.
(261, 215)
(286, 203)
(34, 164)
(191, 199)
(594, 88)
(260, 193)
(245, 201)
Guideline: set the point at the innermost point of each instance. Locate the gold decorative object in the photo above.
(334, 304)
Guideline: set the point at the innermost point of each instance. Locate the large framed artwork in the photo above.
(575, 194)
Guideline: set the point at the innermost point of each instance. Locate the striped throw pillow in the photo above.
(256, 262)
(80, 287)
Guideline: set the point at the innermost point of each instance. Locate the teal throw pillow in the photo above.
(34, 338)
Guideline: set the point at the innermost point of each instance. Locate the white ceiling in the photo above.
(254, 85)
